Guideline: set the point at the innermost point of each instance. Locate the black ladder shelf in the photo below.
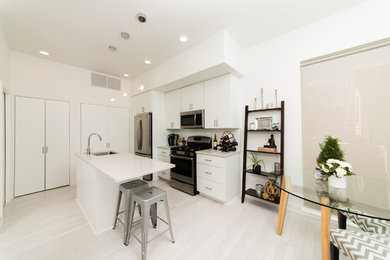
(280, 154)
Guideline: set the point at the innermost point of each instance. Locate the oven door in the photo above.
(184, 169)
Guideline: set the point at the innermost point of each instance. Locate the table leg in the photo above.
(282, 212)
(325, 219)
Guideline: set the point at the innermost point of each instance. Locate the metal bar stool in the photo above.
(128, 189)
(146, 198)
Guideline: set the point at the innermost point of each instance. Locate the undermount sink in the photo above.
(104, 153)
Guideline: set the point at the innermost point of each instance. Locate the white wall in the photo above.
(276, 63)
(35, 77)
(4, 61)
(4, 86)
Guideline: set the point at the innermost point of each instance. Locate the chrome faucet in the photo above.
(89, 142)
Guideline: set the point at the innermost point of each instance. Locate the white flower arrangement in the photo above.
(337, 168)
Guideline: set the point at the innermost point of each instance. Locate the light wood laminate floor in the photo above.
(50, 225)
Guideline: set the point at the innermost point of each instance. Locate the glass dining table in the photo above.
(365, 196)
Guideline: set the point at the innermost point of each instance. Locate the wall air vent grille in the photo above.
(98, 80)
(105, 82)
(113, 83)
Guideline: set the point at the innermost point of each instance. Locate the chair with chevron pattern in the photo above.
(373, 242)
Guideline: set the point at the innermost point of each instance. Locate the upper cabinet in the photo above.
(192, 97)
(217, 96)
(172, 109)
(142, 103)
(220, 106)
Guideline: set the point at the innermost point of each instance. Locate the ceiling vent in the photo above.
(105, 82)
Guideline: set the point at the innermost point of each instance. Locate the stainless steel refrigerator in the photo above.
(143, 138)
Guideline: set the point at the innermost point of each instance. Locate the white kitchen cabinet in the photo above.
(142, 103)
(41, 144)
(57, 143)
(172, 109)
(163, 155)
(218, 177)
(192, 97)
(221, 110)
(111, 123)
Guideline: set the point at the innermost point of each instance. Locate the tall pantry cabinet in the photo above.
(41, 144)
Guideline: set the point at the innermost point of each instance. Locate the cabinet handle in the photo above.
(208, 188)
(208, 173)
(43, 149)
(208, 160)
(216, 122)
(143, 109)
(108, 145)
(172, 124)
(191, 106)
(46, 149)
(164, 152)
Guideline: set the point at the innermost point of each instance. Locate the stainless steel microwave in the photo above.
(192, 119)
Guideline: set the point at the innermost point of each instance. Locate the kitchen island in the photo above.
(98, 180)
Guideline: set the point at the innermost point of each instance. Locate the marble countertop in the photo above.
(124, 167)
(217, 153)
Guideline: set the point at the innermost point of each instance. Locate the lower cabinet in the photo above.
(218, 177)
(163, 155)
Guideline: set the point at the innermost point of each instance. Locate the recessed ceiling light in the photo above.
(126, 75)
(147, 61)
(44, 53)
(141, 87)
(112, 99)
(183, 38)
(125, 94)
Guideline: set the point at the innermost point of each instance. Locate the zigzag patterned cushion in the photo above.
(369, 224)
(357, 245)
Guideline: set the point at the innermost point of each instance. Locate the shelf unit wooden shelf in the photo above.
(279, 155)
(263, 173)
(255, 151)
(265, 130)
(253, 193)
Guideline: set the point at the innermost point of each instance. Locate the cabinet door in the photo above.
(218, 104)
(57, 143)
(94, 120)
(192, 97)
(172, 109)
(118, 129)
(211, 95)
(142, 103)
(29, 143)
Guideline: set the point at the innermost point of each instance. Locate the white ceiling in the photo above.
(78, 32)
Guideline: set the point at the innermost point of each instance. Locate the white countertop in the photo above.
(217, 153)
(166, 146)
(124, 167)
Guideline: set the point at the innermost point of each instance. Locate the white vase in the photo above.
(340, 183)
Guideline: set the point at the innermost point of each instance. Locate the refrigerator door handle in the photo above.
(141, 135)
(138, 137)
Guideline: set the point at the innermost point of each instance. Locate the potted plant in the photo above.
(330, 149)
(256, 164)
(336, 171)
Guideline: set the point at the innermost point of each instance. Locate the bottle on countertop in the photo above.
(215, 142)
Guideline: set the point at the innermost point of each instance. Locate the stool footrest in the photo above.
(139, 241)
